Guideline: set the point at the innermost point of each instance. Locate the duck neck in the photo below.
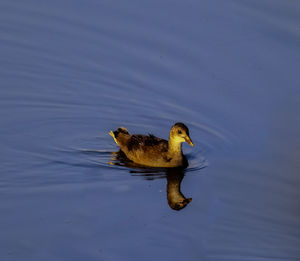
(174, 147)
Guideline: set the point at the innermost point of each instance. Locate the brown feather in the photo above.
(150, 150)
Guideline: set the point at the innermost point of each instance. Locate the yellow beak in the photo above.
(189, 141)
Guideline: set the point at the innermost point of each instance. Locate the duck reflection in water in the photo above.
(176, 199)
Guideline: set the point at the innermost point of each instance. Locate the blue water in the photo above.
(73, 70)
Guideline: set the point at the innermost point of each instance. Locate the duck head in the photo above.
(180, 133)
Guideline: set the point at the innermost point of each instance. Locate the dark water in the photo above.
(73, 70)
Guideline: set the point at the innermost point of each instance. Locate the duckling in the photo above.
(151, 151)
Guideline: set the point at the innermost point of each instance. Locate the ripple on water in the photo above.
(106, 158)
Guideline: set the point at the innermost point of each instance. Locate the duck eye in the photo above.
(179, 132)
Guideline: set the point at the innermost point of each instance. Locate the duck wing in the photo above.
(147, 144)
(147, 151)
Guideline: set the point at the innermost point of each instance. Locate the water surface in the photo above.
(73, 70)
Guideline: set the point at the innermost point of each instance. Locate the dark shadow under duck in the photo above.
(176, 199)
(152, 151)
(174, 176)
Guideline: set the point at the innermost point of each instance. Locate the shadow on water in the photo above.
(174, 176)
(102, 159)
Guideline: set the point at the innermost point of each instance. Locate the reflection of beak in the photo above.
(189, 141)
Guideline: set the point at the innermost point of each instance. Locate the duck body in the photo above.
(151, 151)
